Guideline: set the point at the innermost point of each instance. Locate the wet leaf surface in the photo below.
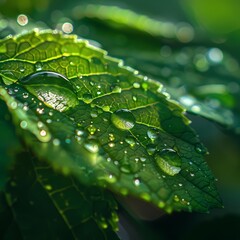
(90, 116)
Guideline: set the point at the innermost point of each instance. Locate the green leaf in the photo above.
(89, 115)
(186, 70)
(47, 205)
(8, 145)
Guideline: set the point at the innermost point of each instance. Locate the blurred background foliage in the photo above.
(192, 26)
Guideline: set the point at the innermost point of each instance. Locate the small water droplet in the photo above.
(38, 66)
(56, 142)
(21, 69)
(111, 137)
(43, 133)
(103, 225)
(137, 182)
(176, 198)
(25, 95)
(67, 140)
(106, 108)
(143, 159)
(123, 119)
(131, 141)
(22, 19)
(111, 178)
(199, 148)
(79, 132)
(196, 108)
(111, 144)
(87, 98)
(92, 129)
(40, 110)
(23, 124)
(215, 55)
(134, 98)
(151, 149)
(94, 114)
(48, 187)
(145, 86)
(25, 108)
(169, 161)
(152, 134)
(40, 124)
(125, 168)
(91, 145)
(13, 105)
(116, 89)
(136, 85)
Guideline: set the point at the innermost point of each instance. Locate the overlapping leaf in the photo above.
(88, 115)
(42, 204)
(8, 145)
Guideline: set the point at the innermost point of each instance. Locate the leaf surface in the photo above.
(89, 115)
(9, 143)
(47, 205)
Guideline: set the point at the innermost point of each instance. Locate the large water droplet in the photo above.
(123, 119)
(169, 161)
(52, 88)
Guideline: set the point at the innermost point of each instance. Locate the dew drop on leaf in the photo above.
(111, 137)
(136, 182)
(123, 119)
(125, 168)
(151, 148)
(111, 178)
(111, 144)
(87, 98)
(91, 145)
(38, 66)
(169, 161)
(56, 142)
(48, 187)
(94, 114)
(152, 134)
(25, 95)
(91, 129)
(131, 141)
(116, 89)
(23, 124)
(199, 148)
(136, 85)
(52, 88)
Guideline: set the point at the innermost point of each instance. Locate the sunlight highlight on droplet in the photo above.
(67, 27)
(22, 20)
